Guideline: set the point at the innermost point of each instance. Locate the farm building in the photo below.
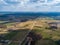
(54, 25)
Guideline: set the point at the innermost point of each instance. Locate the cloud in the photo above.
(30, 5)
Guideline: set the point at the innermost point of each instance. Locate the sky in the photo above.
(30, 5)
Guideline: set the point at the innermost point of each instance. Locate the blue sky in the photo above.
(30, 5)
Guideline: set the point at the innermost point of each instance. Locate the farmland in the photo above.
(17, 31)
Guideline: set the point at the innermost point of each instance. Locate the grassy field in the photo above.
(49, 37)
(16, 36)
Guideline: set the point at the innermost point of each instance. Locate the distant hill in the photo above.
(32, 13)
(23, 16)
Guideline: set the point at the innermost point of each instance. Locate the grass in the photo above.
(48, 36)
(17, 36)
(10, 35)
(14, 43)
(3, 21)
(45, 42)
(9, 24)
(21, 35)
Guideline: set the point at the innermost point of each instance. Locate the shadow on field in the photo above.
(32, 38)
(37, 39)
(58, 42)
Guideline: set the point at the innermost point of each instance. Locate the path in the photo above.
(34, 22)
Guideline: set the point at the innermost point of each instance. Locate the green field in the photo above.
(17, 35)
(49, 37)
